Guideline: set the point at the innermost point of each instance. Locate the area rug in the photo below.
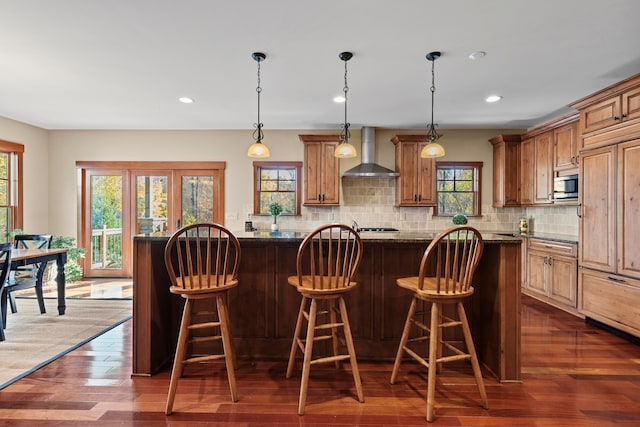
(34, 340)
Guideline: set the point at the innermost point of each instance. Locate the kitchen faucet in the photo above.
(354, 225)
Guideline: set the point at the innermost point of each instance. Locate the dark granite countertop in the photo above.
(395, 237)
(544, 236)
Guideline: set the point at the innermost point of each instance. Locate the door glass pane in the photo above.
(197, 199)
(151, 204)
(106, 222)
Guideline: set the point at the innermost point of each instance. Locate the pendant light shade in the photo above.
(345, 149)
(432, 149)
(258, 149)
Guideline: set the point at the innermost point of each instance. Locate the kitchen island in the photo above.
(263, 307)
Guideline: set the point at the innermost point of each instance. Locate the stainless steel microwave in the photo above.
(565, 187)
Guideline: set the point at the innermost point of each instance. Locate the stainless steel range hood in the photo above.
(368, 168)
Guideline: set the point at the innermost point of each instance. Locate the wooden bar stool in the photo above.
(453, 257)
(327, 262)
(202, 261)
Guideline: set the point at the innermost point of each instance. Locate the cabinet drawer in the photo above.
(553, 247)
(611, 299)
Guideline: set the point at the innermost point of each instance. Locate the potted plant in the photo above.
(275, 209)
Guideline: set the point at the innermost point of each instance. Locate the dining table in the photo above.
(25, 257)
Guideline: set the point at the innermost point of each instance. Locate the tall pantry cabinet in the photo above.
(609, 253)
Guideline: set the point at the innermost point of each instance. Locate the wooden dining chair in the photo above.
(30, 276)
(5, 267)
(327, 262)
(202, 261)
(444, 279)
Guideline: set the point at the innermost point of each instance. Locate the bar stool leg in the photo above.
(227, 345)
(352, 350)
(308, 354)
(403, 340)
(433, 354)
(296, 337)
(472, 352)
(181, 351)
(334, 330)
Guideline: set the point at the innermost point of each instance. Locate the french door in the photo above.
(152, 198)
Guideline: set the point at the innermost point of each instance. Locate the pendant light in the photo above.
(258, 149)
(344, 148)
(432, 149)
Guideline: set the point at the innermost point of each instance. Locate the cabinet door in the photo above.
(604, 113)
(426, 181)
(330, 175)
(499, 155)
(563, 280)
(629, 209)
(631, 104)
(321, 173)
(565, 147)
(526, 172)
(543, 168)
(506, 169)
(537, 272)
(407, 164)
(597, 222)
(312, 172)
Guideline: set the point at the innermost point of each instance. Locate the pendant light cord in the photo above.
(345, 127)
(257, 134)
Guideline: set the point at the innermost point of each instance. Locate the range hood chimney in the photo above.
(368, 168)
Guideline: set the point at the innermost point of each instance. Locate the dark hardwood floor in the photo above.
(574, 374)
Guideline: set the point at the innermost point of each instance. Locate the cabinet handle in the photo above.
(419, 197)
(624, 116)
(318, 197)
(616, 118)
(323, 197)
(415, 197)
(616, 279)
(550, 261)
(579, 211)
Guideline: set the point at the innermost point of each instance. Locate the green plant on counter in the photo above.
(460, 219)
(275, 209)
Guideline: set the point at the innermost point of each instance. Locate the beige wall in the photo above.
(36, 172)
(66, 147)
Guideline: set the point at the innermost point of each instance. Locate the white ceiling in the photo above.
(122, 64)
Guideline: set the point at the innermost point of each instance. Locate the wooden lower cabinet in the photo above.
(551, 273)
(263, 307)
(610, 299)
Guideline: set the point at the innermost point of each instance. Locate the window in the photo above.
(10, 188)
(458, 187)
(277, 182)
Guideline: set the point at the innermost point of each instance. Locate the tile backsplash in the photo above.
(370, 202)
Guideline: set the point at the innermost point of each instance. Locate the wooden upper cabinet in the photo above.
(506, 170)
(609, 111)
(527, 165)
(416, 185)
(543, 168)
(321, 170)
(565, 148)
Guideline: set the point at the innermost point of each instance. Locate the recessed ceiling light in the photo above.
(493, 98)
(186, 100)
(477, 54)
(339, 99)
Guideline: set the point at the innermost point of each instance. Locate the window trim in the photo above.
(276, 165)
(17, 206)
(478, 200)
